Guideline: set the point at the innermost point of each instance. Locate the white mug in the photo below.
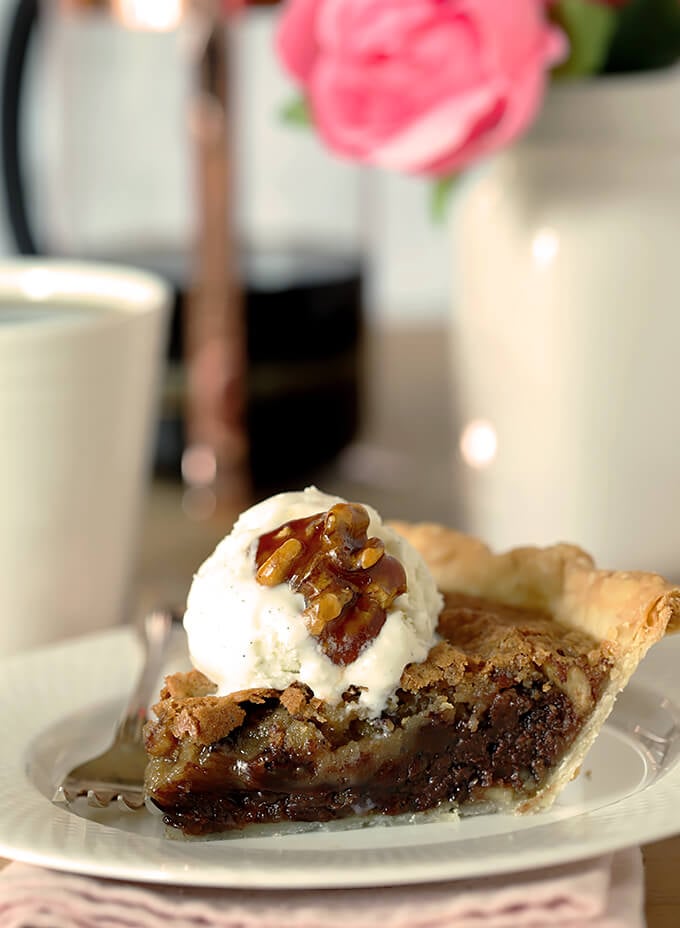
(81, 352)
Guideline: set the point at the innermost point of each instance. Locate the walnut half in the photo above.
(347, 580)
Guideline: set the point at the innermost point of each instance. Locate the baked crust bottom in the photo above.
(488, 721)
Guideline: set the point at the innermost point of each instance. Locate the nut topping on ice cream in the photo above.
(312, 590)
(347, 580)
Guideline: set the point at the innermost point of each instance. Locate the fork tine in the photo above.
(100, 799)
(130, 802)
(60, 795)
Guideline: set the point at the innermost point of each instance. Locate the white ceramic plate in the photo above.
(59, 705)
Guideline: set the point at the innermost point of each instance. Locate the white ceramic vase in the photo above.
(566, 327)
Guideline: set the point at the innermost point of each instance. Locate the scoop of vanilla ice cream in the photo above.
(243, 634)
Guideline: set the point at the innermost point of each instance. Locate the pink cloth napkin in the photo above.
(602, 893)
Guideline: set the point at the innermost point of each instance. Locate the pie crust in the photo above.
(535, 644)
(627, 611)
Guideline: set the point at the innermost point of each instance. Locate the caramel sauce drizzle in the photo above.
(347, 581)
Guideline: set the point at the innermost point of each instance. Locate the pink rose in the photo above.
(423, 86)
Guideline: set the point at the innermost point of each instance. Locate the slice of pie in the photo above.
(533, 646)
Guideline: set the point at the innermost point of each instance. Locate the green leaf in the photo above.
(296, 112)
(647, 36)
(590, 27)
(440, 195)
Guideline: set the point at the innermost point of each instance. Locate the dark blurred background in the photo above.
(328, 256)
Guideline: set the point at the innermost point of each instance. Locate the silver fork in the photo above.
(118, 773)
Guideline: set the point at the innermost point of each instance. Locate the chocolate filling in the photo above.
(440, 761)
(496, 705)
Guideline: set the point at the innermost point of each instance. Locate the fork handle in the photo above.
(156, 632)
